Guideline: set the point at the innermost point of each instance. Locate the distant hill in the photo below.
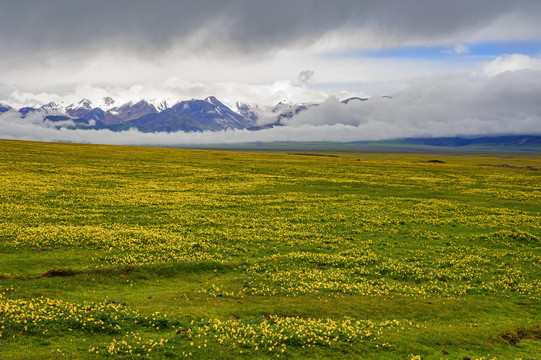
(507, 141)
(485, 144)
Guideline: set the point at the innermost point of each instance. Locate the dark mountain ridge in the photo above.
(502, 140)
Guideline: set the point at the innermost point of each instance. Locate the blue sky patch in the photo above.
(488, 49)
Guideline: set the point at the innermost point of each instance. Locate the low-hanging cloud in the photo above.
(174, 90)
(305, 77)
(448, 105)
(444, 105)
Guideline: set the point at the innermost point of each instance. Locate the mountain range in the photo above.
(194, 115)
(211, 114)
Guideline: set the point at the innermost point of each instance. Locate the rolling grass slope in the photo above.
(130, 252)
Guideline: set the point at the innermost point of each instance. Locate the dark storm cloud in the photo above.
(41, 28)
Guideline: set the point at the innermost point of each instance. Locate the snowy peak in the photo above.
(4, 108)
(83, 104)
(123, 107)
(80, 109)
(108, 101)
(281, 107)
(209, 114)
(161, 105)
(214, 101)
(105, 103)
(249, 112)
(130, 111)
(53, 108)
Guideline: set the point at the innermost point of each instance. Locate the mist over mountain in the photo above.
(194, 115)
(448, 105)
(4, 108)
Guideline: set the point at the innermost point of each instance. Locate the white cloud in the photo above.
(241, 42)
(444, 105)
(174, 90)
(266, 81)
(511, 62)
(305, 77)
(457, 49)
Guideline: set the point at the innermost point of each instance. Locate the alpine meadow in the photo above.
(287, 179)
(135, 252)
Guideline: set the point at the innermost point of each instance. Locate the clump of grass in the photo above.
(59, 272)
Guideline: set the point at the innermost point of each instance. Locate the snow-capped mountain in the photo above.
(147, 115)
(154, 115)
(161, 105)
(284, 110)
(4, 108)
(193, 115)
(106, 113)
(249, 111)
(80, 109)
(212, 114)
(130, 111)
(53, 108)
(107, 102)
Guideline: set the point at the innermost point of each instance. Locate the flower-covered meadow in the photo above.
(123, 252)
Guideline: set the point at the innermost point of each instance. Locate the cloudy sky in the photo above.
(458, 67)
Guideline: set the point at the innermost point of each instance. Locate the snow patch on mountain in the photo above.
(53, 108)
(83, 104)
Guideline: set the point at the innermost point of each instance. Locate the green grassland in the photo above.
(131, 252)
